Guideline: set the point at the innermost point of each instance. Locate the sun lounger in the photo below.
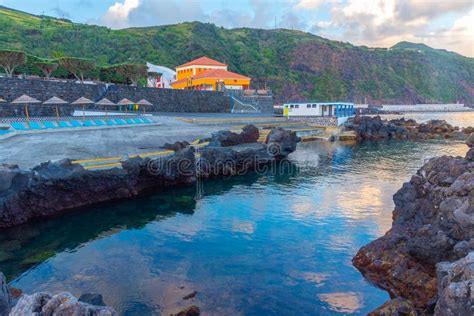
(19, 126)
(76, 124)
(49, 124)
(99, 122)
(88, 123)
(4, 132)
(63, 124)
(36, 125)
(119, 122)
(109, 122)
(129, 121)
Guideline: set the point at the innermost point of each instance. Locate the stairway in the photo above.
(263, 135)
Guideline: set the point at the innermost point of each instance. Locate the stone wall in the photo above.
(262, 102)
(316, 120)
(163, 100)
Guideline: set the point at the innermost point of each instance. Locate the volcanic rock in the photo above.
(249, 134)
(374, 128)
(455, 287)
(433, 222)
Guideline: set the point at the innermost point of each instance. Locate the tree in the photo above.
(11, 59)
(47, 67)
(77, 66)
(133, 72)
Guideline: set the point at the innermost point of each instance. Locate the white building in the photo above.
(163, 81)
(341, 111)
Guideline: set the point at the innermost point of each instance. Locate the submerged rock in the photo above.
(64, 304)
(92, 298)
(433, 222)
(190, 311)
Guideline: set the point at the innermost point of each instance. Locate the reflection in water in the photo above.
(343, 302)
(256, 244)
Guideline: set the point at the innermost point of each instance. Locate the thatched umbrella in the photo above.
(125, 102)
(55, 101)
(105, 102)
(25, 99)
(1, 100)
(145, 103)
(83, 101)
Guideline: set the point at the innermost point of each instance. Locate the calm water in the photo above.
(277, 243)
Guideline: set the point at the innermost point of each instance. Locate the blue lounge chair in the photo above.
(119, 122)
(137, 121)
(99, 122)
(129, 121)
(147, 120)
(63, 124)
(88, 123)
(4, 132)
(110, 122)
(19, 126)
(49, 124)
(36, 125)
(76, 124)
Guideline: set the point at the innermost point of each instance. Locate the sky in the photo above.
(447, 24)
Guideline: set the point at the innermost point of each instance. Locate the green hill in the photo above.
(294, 64)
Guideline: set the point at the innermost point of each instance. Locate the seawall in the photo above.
(163, 100)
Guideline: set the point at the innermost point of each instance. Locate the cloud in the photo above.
(385, 22)
(308, 4)
(382, 23)
(117, 16)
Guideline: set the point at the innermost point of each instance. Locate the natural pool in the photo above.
(275, 243)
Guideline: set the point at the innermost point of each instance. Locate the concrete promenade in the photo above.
(28, 150)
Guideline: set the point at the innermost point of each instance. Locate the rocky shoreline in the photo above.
(55, 187)
(376, 128)
(426, 260)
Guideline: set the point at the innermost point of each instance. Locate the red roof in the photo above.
(202, 61)
(215, 74)
(219, 74)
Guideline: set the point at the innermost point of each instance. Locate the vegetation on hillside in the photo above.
(294, 64)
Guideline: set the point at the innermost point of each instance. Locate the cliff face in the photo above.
(294, 64)
(433, 225)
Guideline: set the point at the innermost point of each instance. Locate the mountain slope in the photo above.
(294, 64)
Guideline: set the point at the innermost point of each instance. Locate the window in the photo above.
(297, 106)
(291, 106)
(308, 106)
(315, 106)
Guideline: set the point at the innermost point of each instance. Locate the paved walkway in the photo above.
(30, 150)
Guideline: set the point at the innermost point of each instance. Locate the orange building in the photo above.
(208, 74)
